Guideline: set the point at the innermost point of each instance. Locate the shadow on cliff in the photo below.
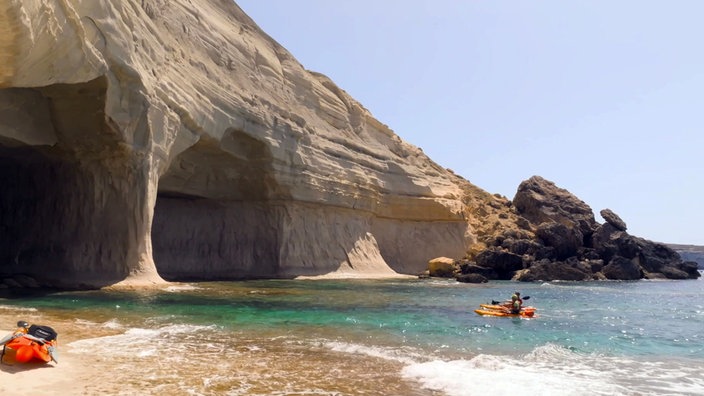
(213, 217)
(68, 207)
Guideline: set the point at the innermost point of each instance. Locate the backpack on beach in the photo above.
(45, 332)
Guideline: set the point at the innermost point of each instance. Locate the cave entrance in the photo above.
(216, 212)
(61, 224)
(30, 238)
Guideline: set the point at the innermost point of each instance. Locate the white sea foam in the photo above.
(140, 342)
(493, 375)
(181, 288)
(553, 370)
(17, 309)
(401, 356)
(85, 323)
(547, 370)
(112, 324)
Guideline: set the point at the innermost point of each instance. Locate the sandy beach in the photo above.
(76, 373)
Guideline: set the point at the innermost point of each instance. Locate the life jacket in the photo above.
(516, 306)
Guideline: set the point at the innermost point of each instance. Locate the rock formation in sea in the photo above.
(561, 240)
(150, 140)
(690, 252)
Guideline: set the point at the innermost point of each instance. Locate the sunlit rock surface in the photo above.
(150, 140)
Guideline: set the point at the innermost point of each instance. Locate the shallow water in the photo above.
(382, 337)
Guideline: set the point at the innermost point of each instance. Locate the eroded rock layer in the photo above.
(176, 138)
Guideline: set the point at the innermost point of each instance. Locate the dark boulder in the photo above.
(674, 273)
(628, 245)
(613, 219)
(471, 278)
(595, 265)
(546, 270)
(539, 201)
(503, 262)
(521, 246)
(690, 253)
(691, 268)
(654, 257)
(588, 254)
(545, 252)
(565, 240)
(621, 268)
(472, 268)
(609, 241)
(604, 241)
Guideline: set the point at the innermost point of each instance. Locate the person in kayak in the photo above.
(516, 303)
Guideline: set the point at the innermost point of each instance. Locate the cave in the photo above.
(216, 213)
(66, 215)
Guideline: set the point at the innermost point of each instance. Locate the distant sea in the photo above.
(382, 337)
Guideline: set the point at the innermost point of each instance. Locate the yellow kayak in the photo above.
(498, 310)
(501, 307)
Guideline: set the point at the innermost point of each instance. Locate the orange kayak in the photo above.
(31, 344)
(500, 312)
(501, 307)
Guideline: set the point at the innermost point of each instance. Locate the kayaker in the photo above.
(516, 303)
(518, 297)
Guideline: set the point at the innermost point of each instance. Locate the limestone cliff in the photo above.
(142, 140)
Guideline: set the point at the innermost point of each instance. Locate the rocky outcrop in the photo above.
(612, 218)
(175, 139)
(564, 242)
(690, 253)
(541, 201)
(442, 267)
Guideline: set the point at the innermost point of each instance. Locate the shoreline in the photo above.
(256, 339)
(356, 276)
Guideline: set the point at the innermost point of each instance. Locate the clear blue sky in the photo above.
(604, 98)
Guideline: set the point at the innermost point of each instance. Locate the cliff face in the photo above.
(174, 139)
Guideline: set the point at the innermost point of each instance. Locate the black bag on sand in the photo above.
(45, 332)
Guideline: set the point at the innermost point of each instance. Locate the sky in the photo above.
(603, 98)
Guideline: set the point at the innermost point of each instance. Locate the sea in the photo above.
(381, 337)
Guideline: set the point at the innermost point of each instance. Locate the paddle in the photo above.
(22, 329)
(52, 353)
(499, 302)
(9, 338)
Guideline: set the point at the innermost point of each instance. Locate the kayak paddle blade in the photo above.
(53, 353)
(7, 339)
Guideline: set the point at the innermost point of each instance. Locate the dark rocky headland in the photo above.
(690, 253)
(559, 239)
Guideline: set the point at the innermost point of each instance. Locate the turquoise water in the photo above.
(391, 336)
